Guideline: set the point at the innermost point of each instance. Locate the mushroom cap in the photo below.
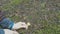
(28, 24)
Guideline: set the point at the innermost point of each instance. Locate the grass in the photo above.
(44, 16)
